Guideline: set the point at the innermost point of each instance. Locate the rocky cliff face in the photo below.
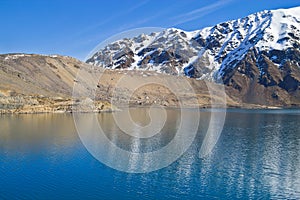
(258, 56)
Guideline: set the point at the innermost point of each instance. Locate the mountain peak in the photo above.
(212, 53)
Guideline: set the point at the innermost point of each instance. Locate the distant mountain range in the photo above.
(259, 55)
(256, 57)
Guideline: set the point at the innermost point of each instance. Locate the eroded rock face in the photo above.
(259, 80)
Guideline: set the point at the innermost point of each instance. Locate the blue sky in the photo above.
(74, 28)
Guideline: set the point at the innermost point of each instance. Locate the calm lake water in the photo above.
(256, 157)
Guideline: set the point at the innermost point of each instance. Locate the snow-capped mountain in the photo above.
(264, 46)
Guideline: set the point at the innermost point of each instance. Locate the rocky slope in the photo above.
(258, 56)
(37, 84)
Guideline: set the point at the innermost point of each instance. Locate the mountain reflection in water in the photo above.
(257, 156)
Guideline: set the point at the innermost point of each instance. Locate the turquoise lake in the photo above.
(256, 157)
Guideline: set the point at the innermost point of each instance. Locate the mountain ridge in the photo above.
(33, 84)
(255, 54)
(212, 44)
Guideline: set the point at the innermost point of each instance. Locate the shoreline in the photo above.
(111, 109)
(40, 104)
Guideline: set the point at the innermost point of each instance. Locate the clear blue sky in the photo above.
(74, 28)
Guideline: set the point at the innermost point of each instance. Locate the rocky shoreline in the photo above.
(40, 104)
